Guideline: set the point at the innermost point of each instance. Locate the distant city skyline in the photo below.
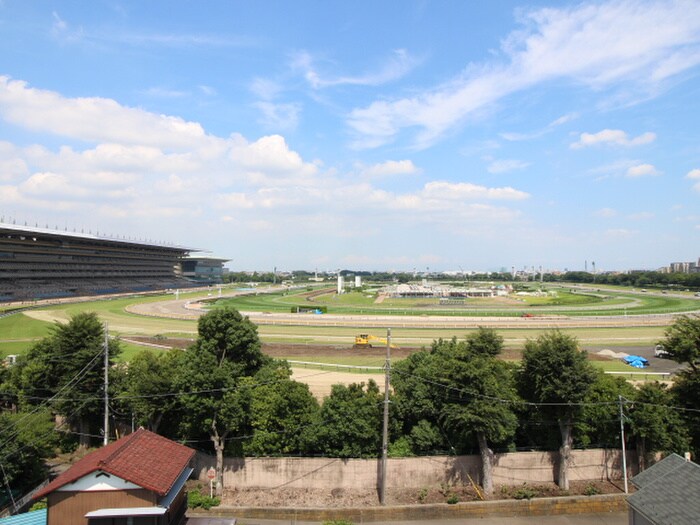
(358, 135)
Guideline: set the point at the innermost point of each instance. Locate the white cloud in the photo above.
(161, 92)
(92, 119)
(612, 136)
(641, 216)
(651, 42)
(605, 213)
(505, 165)
(619, 233)
(390, 167)
(448, 191)
(514, 137)
(642, 170)
(265, 89)
(207, 90)
(397, 66)
(693, 174)
(161, 173)
(279, 117)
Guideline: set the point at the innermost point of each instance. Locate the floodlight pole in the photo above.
(622, 438)
(105, 439)
(385, 426)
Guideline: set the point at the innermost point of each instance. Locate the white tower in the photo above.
(341, 284)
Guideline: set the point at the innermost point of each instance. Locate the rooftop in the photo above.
(143, 458)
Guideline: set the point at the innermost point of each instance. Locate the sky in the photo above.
(389, 135)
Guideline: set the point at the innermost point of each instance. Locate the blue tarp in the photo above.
(636, 361)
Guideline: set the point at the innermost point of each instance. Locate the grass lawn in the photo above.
(129, 350)
(20, 326)
(14, 347)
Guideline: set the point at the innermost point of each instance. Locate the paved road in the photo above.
(618, 518)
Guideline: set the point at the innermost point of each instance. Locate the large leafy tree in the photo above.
(479, 405)
(598, 424)
(65, 371)
(417, 401)
(458, 387)
(655, 426)
(215, 380)
(281, 413)
(558, 376)
(146, 389)
(349, 422)
(26, 440)
(485, 342)
(682, 341)
(686, 390)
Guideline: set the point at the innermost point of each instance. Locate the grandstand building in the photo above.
(38, 263)
(204, 270)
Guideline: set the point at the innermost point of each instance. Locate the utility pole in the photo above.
(105, 440)
(622, 438)
(385, 426)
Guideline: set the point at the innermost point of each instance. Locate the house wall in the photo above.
(70, 507)
(326, 473)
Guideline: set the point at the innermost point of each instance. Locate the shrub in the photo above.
(452, 499)
(591, 490)
(423, 495)
(525, 492)
(197, 499)
(41, 504)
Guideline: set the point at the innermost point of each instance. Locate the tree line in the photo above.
(639, 279)
(223, 395)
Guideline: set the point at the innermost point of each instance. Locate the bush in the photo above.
(39, 505)
(423, 495)
(197, 499)
(452, 499)
(525, 493)
(591, 490)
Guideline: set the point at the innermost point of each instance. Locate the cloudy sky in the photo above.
(367, 135)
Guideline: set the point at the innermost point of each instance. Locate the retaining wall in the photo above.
(323, 473)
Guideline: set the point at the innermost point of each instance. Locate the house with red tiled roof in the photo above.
(137, 480)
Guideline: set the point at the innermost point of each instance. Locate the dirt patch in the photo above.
(279, 350)
(341, 498)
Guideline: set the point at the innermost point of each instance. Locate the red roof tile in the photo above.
(143, 458)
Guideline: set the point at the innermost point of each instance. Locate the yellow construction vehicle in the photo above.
(366, 340)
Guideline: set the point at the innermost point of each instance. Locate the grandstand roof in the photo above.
(91, 237)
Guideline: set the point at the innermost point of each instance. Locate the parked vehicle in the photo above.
(660, 351)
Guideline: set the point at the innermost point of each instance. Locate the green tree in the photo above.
(686, 391)
(349, 422)
(215, 380)
(557, 375)
(26, 440)
(67, 368)
(598, 423)
(146, 389)
(481, 397)
(682, 340)
(417, 399)
(485, 342)
(655, 427)
(281, 412)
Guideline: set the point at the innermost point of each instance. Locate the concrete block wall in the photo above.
(324, 473)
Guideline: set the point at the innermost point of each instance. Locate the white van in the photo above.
(660, 351)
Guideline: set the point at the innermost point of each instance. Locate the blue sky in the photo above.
(367, 135)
